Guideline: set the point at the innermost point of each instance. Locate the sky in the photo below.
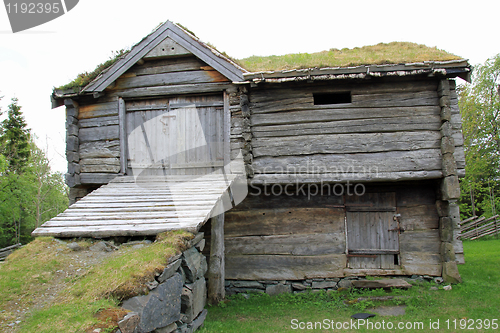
(34, 61)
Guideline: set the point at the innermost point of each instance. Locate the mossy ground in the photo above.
(50, 288)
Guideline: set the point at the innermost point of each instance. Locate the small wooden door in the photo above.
(372, 231)
(175, 136)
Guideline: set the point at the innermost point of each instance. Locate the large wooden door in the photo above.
(372, 231)
(175, 136)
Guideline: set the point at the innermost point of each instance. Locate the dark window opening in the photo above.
(396, 260)
(332, 98)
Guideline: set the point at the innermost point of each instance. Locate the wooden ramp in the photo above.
(146, 206)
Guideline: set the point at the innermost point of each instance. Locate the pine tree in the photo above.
(15, 139)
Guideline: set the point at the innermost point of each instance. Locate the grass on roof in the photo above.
(383, 53)
(86, 77)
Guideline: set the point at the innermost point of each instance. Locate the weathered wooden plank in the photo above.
(284, 179)
(85, 209)
(216, 269)
(124, 218)
(104, 168)
(100, 149)
(115, 230)
(99, 133)
(174, 78)
(167, 65)
(122, 132)
(96, 178)
(345, 166)
(97, 122)
(380, 125)
(372, 272)
(306, 103)
(420, 241)
(295, 244)
(171, 90)
(257, 267)
(97, 110)
(280, 221)
(346, 143)
(419, 217)
(380, 89)
(315, 114)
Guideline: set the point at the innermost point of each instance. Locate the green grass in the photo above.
(28, 274)
(383, 53)
(478, 297)
(85, 78)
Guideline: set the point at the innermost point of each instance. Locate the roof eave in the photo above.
(453, 68)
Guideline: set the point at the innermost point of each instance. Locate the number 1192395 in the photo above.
(33, 8)
(472, 324)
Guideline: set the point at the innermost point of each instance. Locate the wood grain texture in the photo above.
(276, 267)
(346, 143)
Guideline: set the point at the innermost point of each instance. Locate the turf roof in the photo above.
(380, 54)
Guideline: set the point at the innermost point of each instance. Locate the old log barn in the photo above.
(351, 169)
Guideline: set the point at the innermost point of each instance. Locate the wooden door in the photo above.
(175, 136)
(372, 231)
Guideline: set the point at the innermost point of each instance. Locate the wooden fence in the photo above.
(476, 227)
(4, 253)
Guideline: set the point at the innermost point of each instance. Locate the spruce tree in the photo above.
(15, 139)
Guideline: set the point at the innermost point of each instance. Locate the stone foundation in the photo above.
(176, 299)
(300, 286)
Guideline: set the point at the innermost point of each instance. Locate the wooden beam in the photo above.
(123, 135)
(216, 269)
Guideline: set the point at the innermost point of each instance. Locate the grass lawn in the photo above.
(477, 298)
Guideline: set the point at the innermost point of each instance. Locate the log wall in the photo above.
(269, 237)
(293, 139)
(94, 131)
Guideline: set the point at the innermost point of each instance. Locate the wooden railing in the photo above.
(477, 227)
(4, 253)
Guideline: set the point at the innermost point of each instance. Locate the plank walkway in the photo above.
(146, 206)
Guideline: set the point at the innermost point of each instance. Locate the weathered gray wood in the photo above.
(100, 149)
(99, 121)
(419, 217)
(216, 269)
(175, 78)
(380, 125)
(420, 241)
(98, 110)
(314, 114)
(370, 164)
(96, 178)
(268, 179)
(123, 135)
(346, 143)
(172, 90)
(112, 230)
(283, 221)
(257, 267)
(306, 103)
(100, 165)
(168, 65)
(167, 47)
(226, 129)
(99, 133)
(295, 244)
